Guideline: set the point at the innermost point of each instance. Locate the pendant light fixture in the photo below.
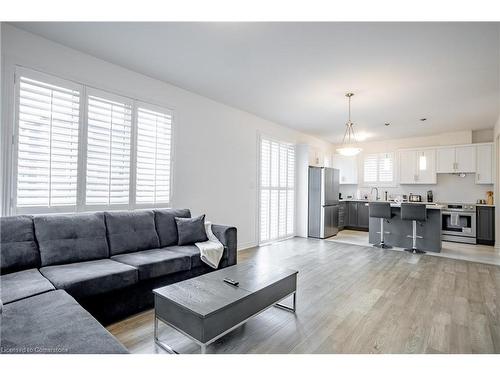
(349, 143)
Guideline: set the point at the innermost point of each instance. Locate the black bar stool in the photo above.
(415, 213)
(382, 211)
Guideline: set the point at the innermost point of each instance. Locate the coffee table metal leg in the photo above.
(167, 347)
(288, 308)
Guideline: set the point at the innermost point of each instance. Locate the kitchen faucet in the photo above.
(376, 189)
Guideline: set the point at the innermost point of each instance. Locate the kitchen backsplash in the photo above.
(449, 188)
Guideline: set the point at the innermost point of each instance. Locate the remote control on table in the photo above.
(231, 281)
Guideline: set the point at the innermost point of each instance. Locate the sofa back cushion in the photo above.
(166, 226)
(18, 248)
(71, 238)
(130, 231)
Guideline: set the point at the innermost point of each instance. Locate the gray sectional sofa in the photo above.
(62, 276)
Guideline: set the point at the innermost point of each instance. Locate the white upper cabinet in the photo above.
(319, 158)
(459, 159)
(426, 167)
(407, 166)
(348, 168)
(445, 160)
(417, 166)
(465, 157)
(484, 164)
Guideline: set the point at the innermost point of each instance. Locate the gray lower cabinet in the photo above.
(485, 225)
(357, 215)
(342, 215)
(363, 215)
(352, 209)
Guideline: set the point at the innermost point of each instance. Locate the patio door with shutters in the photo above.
(276, 190)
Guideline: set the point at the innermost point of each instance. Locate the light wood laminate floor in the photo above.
(454, 250)
(357, 299)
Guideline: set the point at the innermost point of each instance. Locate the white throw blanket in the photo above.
(210, 251)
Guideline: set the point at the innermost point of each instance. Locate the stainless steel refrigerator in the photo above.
(323, 202)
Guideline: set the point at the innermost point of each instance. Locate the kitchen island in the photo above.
(399, 229)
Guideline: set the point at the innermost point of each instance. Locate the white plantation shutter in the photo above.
(109, 128)
(290, 213)
(277, 190)
(47, 143)
(386, 167)
(154, 131)
(370, 168)
(77, 148)
(379, 168)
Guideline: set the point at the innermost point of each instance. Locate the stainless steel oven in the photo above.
(458, 223)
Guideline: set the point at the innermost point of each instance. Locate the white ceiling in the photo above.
(296, 74)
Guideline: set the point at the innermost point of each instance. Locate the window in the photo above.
(277, 192)
(75, 148)
(385, 167)
(378, 169)
(370, 168)
(153, 156)
(109, 125)
(47, 144)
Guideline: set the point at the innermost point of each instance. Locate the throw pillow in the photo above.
(191, 230)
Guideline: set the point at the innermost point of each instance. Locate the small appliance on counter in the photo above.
(414, 198)
(489, 198)
(430, 196)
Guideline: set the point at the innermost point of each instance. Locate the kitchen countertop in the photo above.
(431, 206)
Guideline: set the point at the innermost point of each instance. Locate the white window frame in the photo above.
(155, 108)
(379, 183)
(49, 79)
(260, 138)
(117, 98)
(10, 179)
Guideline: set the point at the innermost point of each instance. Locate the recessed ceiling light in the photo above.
(387, 124)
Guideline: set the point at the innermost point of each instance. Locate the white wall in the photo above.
(215, 146)
(449, 188)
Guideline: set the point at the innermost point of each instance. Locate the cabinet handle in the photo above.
(478, 177)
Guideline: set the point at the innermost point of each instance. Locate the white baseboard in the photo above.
(246, 245)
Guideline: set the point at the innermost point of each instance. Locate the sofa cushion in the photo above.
(191, 230)
(71, 238)
(23, 284)
(53, 322)
(166, 226)
(131, 231)
(190, 250)
(90, 278)
(17, 242)
(155, 262)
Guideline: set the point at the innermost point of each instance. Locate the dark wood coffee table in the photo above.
(206, 308)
